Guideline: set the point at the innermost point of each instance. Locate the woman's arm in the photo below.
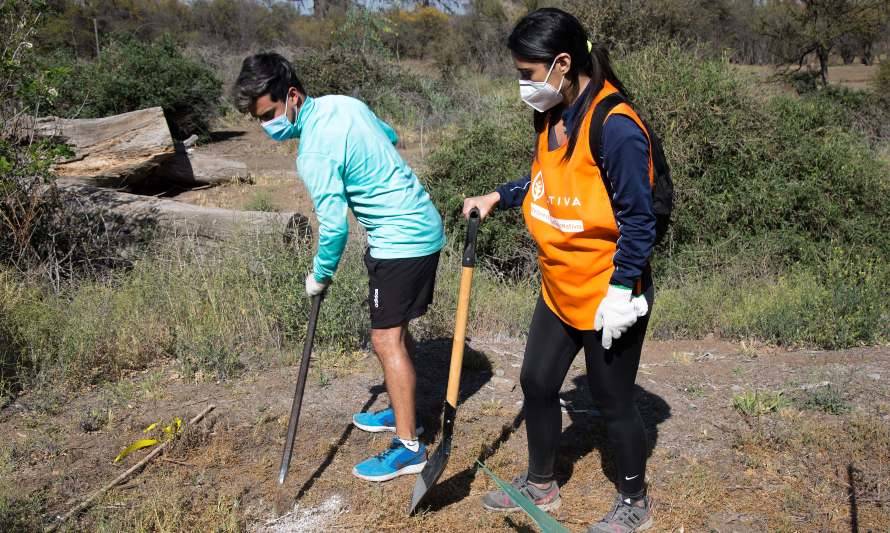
(626, 162)
(506, 196)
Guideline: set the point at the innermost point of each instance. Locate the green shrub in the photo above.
(132, 75)
(389, 90)
(862, 112)
(834, 303)
(826, 399)
(751, 171)
(473, 159)
(804, 81)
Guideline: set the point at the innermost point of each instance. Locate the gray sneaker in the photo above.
(625, 517)
(546, 499)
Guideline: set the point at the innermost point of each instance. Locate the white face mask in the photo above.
(540, 95)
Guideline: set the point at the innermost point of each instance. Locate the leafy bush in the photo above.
(392, 92)
(132, 75)
(416, 33)
(862, 112)
(804, 81)
(473, 159)
(826, 399)
(834, 303)
(773, 174)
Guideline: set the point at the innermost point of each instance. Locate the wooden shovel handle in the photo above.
(463, 308)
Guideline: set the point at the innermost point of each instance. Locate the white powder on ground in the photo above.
(300, 520)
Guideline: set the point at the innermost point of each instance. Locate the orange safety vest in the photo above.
(568, 212)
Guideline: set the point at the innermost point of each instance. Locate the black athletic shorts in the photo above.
(399, 290)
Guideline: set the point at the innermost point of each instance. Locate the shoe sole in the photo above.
(547, 507)
(381, 429)
(411, 469)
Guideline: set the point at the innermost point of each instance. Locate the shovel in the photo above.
(436, 464)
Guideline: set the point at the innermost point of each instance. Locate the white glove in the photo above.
(315, 287)
(618, 311)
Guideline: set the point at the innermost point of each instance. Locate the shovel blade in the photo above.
(435, 465)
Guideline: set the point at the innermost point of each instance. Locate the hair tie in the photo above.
(589, 46)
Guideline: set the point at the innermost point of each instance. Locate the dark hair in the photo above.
(261, 74)
(544, 34)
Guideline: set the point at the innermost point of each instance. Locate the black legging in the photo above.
(551, 347)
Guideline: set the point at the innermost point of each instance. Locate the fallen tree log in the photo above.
(181, 219)
(132, 149)
(112, 151)
(193, 168)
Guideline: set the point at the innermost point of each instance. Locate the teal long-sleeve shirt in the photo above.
(347, 159)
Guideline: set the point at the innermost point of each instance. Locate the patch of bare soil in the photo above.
(819, 462)
(854, 76)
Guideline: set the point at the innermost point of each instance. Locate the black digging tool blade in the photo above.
(435, 465)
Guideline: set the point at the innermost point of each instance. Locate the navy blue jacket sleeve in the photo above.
(513, 193)
(626, 162)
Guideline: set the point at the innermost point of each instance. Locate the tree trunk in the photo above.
(199, 169)
(822, 53)
(147, 213)
(867, 56)
(132, 149)
(111, 151)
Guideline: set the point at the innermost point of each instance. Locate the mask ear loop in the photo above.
(286, 101)
(551, 71)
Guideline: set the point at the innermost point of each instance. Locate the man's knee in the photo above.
(386, 342)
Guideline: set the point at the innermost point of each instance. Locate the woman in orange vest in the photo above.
(595, 233)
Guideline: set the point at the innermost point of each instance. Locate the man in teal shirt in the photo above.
(347, 159)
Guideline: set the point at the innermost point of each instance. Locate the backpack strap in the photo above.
(602, 110)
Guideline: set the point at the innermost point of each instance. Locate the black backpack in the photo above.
(663, 192)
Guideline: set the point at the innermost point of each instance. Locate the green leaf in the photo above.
(545, 522)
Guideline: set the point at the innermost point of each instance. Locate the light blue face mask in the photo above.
(280, 128)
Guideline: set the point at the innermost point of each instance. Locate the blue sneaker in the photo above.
(395, 461)
(378, 421)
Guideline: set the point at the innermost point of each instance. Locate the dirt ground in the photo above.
(710, 467)
(853, 76)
